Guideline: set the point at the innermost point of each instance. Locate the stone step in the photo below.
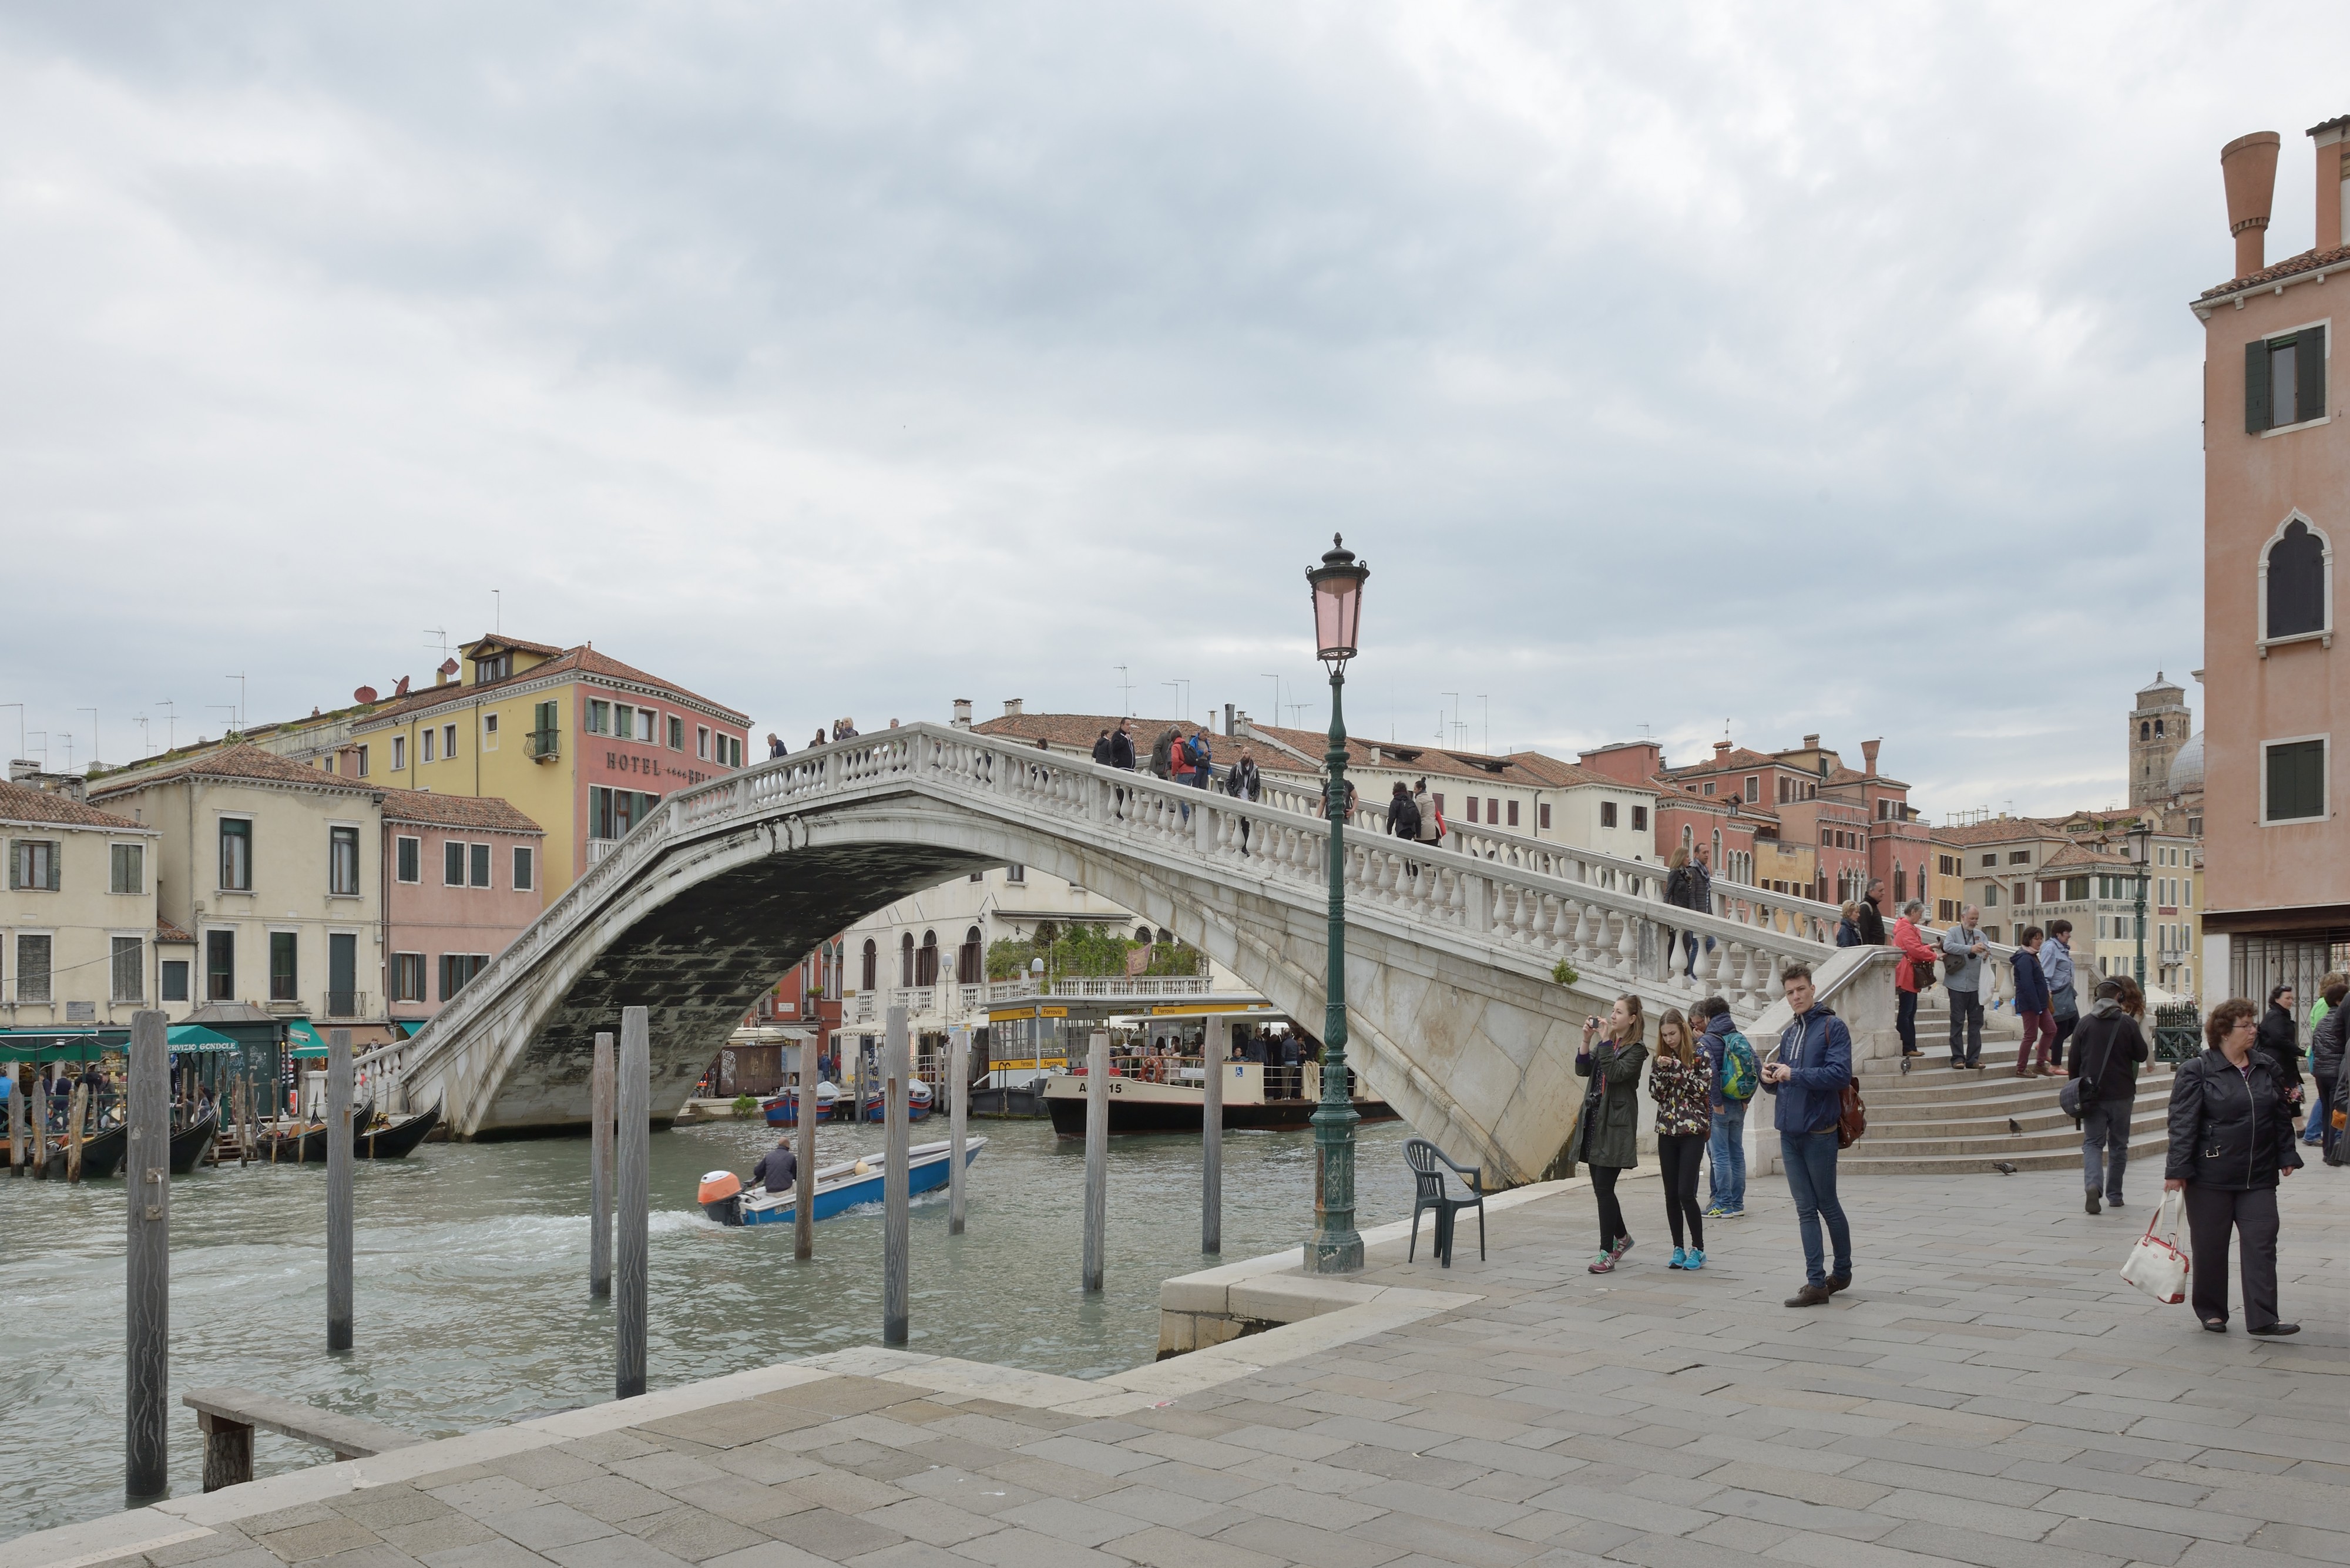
(2145, 1154)
(2033, 1116)
(1992, 1142)
(2032, 1093)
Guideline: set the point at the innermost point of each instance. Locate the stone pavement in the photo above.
(1988, 1393)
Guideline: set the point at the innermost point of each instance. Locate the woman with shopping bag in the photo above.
(2231, 1139)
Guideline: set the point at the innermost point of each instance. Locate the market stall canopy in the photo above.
(60, 1044)
(196, 1037)
(304, 1040)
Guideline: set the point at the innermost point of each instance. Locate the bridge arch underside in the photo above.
(1478, 1058)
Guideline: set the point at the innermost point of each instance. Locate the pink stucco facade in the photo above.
(448, 914)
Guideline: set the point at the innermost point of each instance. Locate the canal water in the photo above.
(470, 1282)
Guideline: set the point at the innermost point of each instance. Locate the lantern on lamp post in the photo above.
(1337, 1247)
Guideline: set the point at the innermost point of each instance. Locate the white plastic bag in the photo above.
(2155, 1265)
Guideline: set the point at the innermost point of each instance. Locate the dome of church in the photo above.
(2187, 767)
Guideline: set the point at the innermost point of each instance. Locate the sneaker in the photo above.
(1714, 1212)
(1696, 1259)
(1605, 1263)
(2093, 1204)
(1623, 1245)
(1679, 1260)
(1733, 1214)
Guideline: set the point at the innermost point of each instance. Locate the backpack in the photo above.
(1741, 1072)
(1403, 817)
(1196, 748)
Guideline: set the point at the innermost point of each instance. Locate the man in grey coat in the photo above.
(1963, 951)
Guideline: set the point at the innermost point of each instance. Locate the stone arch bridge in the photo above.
(1454, 1016)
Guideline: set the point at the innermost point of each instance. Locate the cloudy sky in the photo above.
(1672, 367)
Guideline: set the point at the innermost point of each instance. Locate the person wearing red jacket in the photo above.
(1914, 952)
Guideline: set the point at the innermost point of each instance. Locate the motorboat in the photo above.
(847, 1185)
(783, 1110)
(918, 1099)
(1167, 1094)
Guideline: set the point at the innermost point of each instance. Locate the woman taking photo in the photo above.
(1682, 1083)
(1606, 1135)
(2231, 1138)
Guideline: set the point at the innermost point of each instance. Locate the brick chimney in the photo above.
(2247, 166)
(1868, 756)
(1721, 751)
(962, 712)
(1811, 742)
(1012, 706)
(2330, 172)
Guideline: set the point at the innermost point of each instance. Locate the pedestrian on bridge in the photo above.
(1807, 1075)
(1963, 951)
(1871, 918)
(1121, 746)
(2032, 1006)
(2063, 1002)
(1403, 820)
(774, 745)
(1731, 1075)
(1431, 816)
(1677, 1082)
(1848, 928)
(1912, 974)
(1102, 749)
(1607, 1133)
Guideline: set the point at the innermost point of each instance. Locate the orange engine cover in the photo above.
(718, 1186)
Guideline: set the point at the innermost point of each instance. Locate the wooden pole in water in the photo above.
(803, 1185)
(338, 1137)
(75, 1110)
(599, 1169)
(635, 1242)
(147, 1260)
(896, 1188)
(1214, 1048)
(1097, 1156)
(16, 1127)
(957, 1077)
(40, 1130)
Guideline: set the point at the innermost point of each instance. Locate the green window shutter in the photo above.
(2256, 386)
(2309, 374)
(53, 858)
(15, 881)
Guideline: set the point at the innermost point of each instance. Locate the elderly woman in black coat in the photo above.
(2232, 1140)
(2280, 1041)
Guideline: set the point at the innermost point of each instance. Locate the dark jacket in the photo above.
(2325, 1052)
(1608, 1132)
(1106, 752)
(1242, 783)
(1121, 750)
(1403, 816)
(2031, 983)
(778, 1169)
(2230, 1129)
(1848, 934)
(1819, 1048)
(2280, 1042)
(1680, 886)
(1872, 924)
(2108, 1046)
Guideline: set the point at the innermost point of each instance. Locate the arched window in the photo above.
(2158, 729)
(1165, 935)
(1142, 935)
(1900, 883)
(2142, 729)
(926, 962)
(906, 958)
(970, 963)
(2293, 582)
(872, 975)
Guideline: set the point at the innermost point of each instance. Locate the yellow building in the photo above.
(576, 740)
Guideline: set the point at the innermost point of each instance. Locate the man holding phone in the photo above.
(1807, 1075)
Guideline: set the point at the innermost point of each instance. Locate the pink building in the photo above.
(2276, 490)
(462, 878)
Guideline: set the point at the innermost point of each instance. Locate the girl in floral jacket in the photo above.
(1681, 1087)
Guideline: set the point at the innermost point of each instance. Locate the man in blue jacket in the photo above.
(1807, 1075)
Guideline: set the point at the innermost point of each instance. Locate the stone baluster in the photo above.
(1627, 947)
(1773, 987)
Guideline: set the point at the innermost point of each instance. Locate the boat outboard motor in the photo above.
(721, 1196)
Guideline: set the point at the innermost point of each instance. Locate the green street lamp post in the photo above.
(2141, 853)
(1337, 1246)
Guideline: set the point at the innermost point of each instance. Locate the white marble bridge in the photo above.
(1454, 1015)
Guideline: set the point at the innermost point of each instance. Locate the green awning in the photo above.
(302, 1040)
(60, 1044)
(196, 1037)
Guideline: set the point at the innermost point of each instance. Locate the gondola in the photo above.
(398, 1136)
(102, 1154)
(306, 1145)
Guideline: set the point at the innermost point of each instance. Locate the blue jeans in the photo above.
(2105, 1139)
(1811, 1162)
(1726, 1156)
(2316, 1127)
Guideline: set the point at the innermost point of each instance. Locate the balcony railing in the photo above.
(600, 848)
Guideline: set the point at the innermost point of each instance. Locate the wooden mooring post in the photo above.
(16, 1127)
(803, 1185)
(147, 1260)
(1097, 1158)
(958, 1079)
(599, 1169)
(634, 1249)
(76, 1109)
(896, 1187)
(1214, 1048)
(339, 1159)
(40, 1130)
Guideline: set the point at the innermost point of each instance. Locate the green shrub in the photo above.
(745, 1105)
(1564, 972)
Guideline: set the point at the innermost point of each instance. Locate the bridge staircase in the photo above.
(1937, 1120)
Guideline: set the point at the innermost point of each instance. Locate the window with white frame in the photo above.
(676, 734)
(489, 731)
(363, 761)
(701, 741)
(624, 722)
(237, 855)
(648, 726)
(2293, 779)
(400, 753)
(33, 865)
(127, 968)
(453, 864)
(126, 867)
(343, 861)
(526, 868)
(477, 858)
(600, 717)
(448, 741)
(408, 859)
(2296, 598)
(407, 976)
(425, 746)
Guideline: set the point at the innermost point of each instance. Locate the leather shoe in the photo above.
(2276, 1330)
(1810, 1295)
(2093, 1202)
(1838, 1282)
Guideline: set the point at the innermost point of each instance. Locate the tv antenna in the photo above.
(439, 636)
(94, 752)
(497, 611)
(240, 700)
(1126, 694)
(1276, 694)
(171, 725)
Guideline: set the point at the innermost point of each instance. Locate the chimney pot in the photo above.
(1811, 742)
(1013, 705)
(1721, 749)
(962, 712)
(2248, 169)
(1868, 754)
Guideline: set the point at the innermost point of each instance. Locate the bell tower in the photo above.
(2158, 726)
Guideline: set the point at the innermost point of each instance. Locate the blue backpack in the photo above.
(1742, 1075)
